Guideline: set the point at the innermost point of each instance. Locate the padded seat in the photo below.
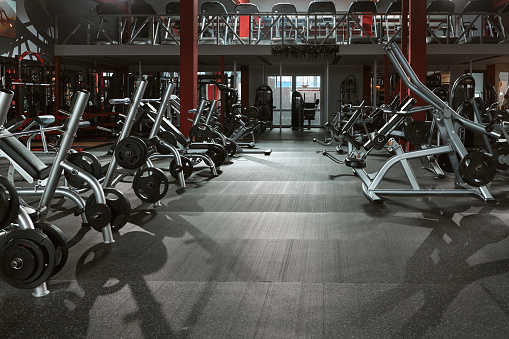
(28, 161)
(284, 9)
(45, 120)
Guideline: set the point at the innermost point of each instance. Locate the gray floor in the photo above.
(284, 246)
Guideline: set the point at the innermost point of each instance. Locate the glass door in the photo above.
(282, 94)
(307, 85)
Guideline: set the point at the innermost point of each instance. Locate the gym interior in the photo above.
(249, 168)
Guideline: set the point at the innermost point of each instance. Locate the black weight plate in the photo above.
(200, 133)
(169, 138)
(218, 154)
(253, 112)
(10, 203)
(119, 205)
(98, 215)
(500, 158)
(150, 184)
(187, 167)
(379, 141)
(87, 162)
(131, 152)
(27, 258)
(445, 163)
(59, 241)
(477, 169)
(417, 133)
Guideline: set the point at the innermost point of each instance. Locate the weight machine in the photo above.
(472, 171)
(31, 168)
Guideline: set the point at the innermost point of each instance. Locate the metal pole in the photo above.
(325, 106)
(5, 103)
(280, 96)
(128, 124)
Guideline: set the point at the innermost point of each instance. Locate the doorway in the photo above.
(308, 85)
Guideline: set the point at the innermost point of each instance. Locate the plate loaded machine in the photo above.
(213, 155)
(475, 169)
(31, 168)
(27, 257)
(131, 153)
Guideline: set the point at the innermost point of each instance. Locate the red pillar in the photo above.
(491, 75)
(223, 94)
(417, 46)
(366, 84)
(244, 78)
(404, 42)
(188, 61)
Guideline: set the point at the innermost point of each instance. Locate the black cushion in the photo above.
(22, 156)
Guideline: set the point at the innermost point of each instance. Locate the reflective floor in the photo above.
(280, 246)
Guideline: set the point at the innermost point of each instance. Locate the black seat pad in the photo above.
(22, 156)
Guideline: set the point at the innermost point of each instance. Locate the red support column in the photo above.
(244, 78)
(491, 75)
(404, 42)
(417, 46)
(188, 61)
(223, 94)
(366, 85)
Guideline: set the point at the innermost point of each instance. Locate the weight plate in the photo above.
(9, 203)
(477, 169)
(187, 167)
(445, 163)
(98, 215)
(417, 133)
(500, 158)
(150, 184)
(379, 141)
(200, 133)
(27, 258)
(87, 162)
(253, 112)
(59, 241)
(119, 205)
(131, 152)
(169, 138)
(378, 122)
(217, 154)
